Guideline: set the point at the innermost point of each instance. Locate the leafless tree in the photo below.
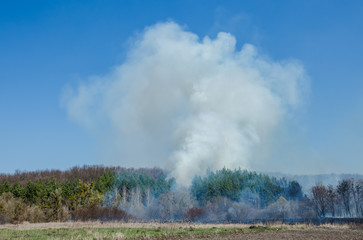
(357, 193)
(320, 199)
(332, 200)
(344, 190)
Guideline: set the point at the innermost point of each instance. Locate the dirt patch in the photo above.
(303, 234)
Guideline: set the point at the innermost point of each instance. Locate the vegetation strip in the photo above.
(114, 233)
(100, 193)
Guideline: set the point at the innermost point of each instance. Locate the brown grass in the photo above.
(178, 231)
(99, 224)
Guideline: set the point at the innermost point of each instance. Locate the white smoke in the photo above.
(189, 104)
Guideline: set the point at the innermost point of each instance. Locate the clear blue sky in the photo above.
(47, 45)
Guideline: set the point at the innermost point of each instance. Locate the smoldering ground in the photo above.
(188, 104)
(221, 196)
(233, 196)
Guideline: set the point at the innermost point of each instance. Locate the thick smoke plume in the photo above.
(188, 104)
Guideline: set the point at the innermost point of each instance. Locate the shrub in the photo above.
(195, 214)
(35, 214)
(14, 209)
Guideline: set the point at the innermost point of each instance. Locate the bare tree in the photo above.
(320, 199)
(360, 197)
(357, 193)
(344, 189)
(332, 200)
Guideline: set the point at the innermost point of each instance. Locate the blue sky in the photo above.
(48, 45)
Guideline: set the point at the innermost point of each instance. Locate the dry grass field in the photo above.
(117, 230)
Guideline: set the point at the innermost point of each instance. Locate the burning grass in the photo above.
(117, 230)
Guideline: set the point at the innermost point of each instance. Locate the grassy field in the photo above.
(118, 233)
(97, 230)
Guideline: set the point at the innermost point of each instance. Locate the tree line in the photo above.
(148, 194)
(40, 196)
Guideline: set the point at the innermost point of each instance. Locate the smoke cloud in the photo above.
(188, 104)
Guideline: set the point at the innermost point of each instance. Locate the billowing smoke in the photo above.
(188, 104)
